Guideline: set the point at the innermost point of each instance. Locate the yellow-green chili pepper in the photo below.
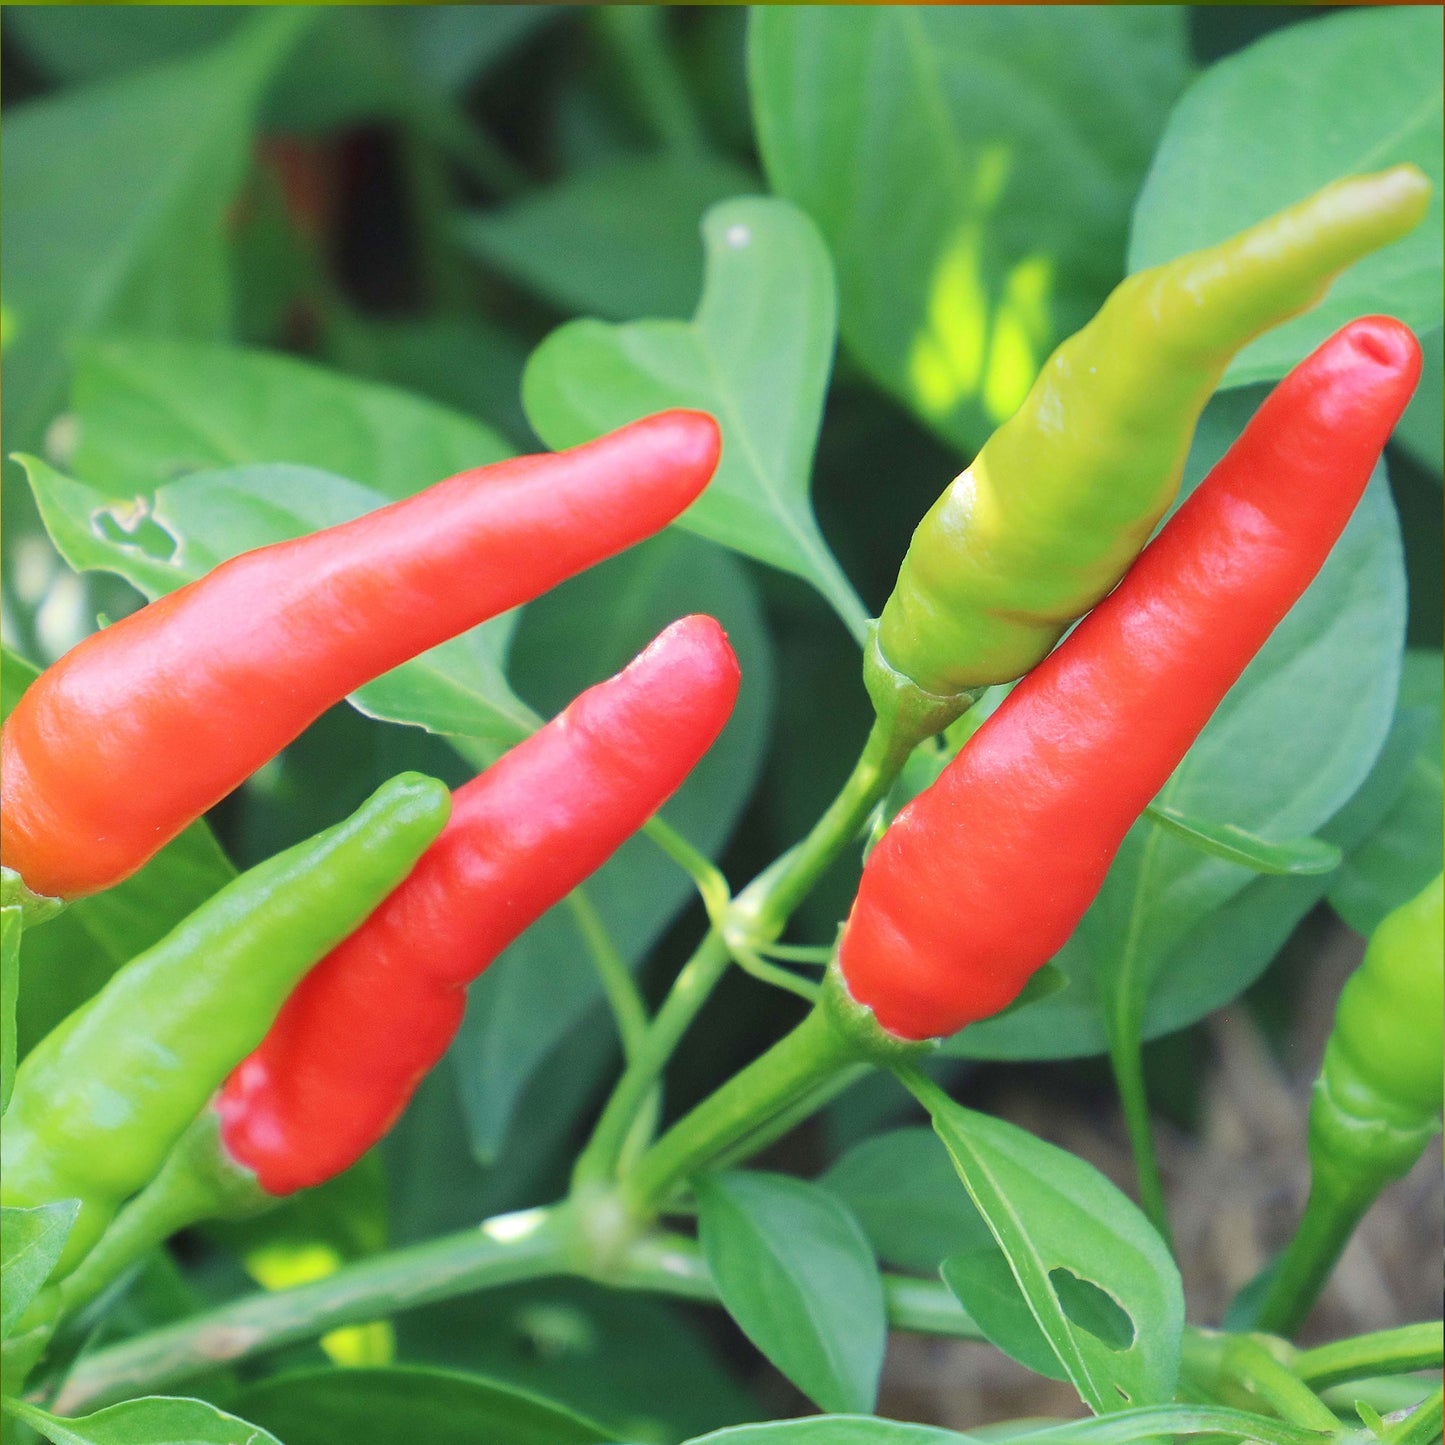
(1377, 1100)
(1063, 496)
(101, 1100)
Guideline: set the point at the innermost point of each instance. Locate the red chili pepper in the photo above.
(364, 1026)
(142, 727)
(981, 879)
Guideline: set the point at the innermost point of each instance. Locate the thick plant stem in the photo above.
(799, 1064)
(533, 1244)
(1325, 1227)
(761, 912)
(1247, 1360)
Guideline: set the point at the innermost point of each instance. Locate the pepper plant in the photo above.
(381, 381)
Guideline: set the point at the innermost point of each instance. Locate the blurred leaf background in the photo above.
(297, 262)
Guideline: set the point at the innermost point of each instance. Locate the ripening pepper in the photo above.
(1377, 1100)
(1062, 497)
(982, 877)
(366, 1024)
(145, 725)
(100, 1101)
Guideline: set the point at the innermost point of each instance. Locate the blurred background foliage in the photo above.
(418, 198)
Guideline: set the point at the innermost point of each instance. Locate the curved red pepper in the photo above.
(142, 727)
(981, 879)
(353, 1041)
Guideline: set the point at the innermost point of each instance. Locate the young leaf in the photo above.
(795, 1270)
(1311, 103)
(30, 1244)
(1096, 1276)
(756, 355)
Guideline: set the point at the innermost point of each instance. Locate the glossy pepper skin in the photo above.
(100, 1101)
(1066, 492)
(145, 725)
(1378, 1097)
(983, 876)
(364, 1026)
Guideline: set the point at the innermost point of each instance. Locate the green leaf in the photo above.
(151, 411)
(1067, 1232)
(983, 1283)
(1404, 851)
(757, 355)
(154, 1420)
(1290, 743)
(903, 1190)
(834, 1430)
(11, 927)
(570, 638)
(183, 529)
(1309, 104)
(971, 169)
(1288, 856)
(1421, 429)
(616, 242)
(30, 1245)
(117, 211)
(794, 1269)
(382, 1406)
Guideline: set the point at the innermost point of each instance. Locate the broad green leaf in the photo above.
(30, 1245)
(971, 169)
(1290, 743)
(154, 1420)
(1069, 1237)
(160, 541)
(757, 356)
(1236, 845)
(569, 639)
(116, 211)
(381, 1406)
(150, 411)
(616, 242)
(903, 1190)
(795, 1270)
(1342, 95)
(1404, 851)
(1421, 429)
(11, 926)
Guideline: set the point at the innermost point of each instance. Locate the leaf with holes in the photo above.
(756, 355)
(1096, 1277)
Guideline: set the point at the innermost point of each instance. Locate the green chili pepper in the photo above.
(100, 1101)
(1063, 496)
(1377, 1100)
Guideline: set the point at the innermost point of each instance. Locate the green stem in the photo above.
(1247, 1360)
(788, 1118)
(1126, 1056)
(1385, 1352)
(758, 915)
(617, 982)
(533, 1244)
(798, 1064)
(1325, 1227)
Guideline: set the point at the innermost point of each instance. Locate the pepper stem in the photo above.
(1325, 1227)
